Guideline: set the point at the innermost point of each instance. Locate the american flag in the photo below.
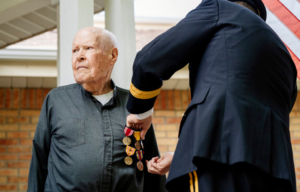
(283, 16)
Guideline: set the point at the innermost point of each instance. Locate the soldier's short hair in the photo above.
(244, 4)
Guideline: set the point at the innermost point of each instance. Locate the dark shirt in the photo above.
(78, 146)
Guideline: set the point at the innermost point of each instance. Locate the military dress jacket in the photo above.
(78, 146)
(243, 87)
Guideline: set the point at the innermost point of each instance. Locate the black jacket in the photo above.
(78, 146)
(243, 87)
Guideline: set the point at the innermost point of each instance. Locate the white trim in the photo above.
(29, 54)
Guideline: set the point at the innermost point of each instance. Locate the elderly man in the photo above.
(78, 141)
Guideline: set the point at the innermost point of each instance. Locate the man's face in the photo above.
(90, 63)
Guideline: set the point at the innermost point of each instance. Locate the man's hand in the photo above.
(134, 122)
(160, 166)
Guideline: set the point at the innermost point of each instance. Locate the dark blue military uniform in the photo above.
(243, 87)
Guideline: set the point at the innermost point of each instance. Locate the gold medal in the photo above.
(137, 146)
(140, 166)
(128, 160)
(126, 141)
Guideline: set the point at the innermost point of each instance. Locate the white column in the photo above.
(73, 16)
(119, 19)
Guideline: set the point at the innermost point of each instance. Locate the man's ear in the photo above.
(114, 55)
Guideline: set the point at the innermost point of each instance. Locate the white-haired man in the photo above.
(78, 144)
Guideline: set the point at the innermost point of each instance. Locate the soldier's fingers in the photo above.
(143, 133)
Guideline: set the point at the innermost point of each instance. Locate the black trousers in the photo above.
(217, 177)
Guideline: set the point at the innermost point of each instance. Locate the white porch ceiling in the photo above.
(29, 18)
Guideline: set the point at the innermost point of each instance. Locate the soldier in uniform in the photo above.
(234, 135)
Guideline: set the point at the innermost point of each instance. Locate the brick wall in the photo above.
(19, 112)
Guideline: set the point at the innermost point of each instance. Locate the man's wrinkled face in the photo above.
(90, 62)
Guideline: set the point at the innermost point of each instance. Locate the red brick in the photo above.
(158, 120)
(8, 157)
(185, 99)
(167, 141)
(177, 100)
(2, 120)
(17, 119)
(1, 98)
(8, 142)
(2, 149)
(2, 164)
(160, 134)
(8, 187)
(3, 179)
(25, 141)
(166, 128)
(8, 172)
(24, 98)
(170, 100)
(29, 127)
(2, 135)
(19, 149)
(157, 103)
(32, 98)
(6, 127)
(24, 172)
(295, 141)
(294, 114)
(46, 91)
(171, 148)
(17, 134)
(180, 113)
(34, 119)
(164, 113)
(25, 157)
(162, 148)
(30, 113)
(172, 134)
(163, 99)
(8, 103)
(32, 134)
(18, 164)
(16, 98)
(17, 179)
(23, 187)
(39, 98)
(172, 120)
(8, 113)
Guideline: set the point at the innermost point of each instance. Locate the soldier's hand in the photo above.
(160, 166)
(134, 122)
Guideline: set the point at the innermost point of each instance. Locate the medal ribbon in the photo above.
(137, 136)
(128, 132)
(130, 150)
(139, 154)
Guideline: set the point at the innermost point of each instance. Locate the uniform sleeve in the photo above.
(152, 182)
(168, 53)
(40, 151)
